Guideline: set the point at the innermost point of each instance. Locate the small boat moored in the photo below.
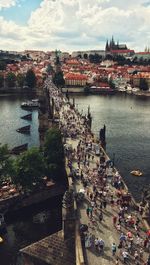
(19, 149)
(25, 129)
(34, 103)
(27, 117)
(136, 173)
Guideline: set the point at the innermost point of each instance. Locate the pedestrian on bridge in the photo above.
(114, 249)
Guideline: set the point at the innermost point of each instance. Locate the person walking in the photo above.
(101, 245)
(104, 203)
(114, 249)
(100, 216)
(114, 220)
(96, 243)
(125, 256)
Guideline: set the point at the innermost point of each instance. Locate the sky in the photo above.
(72, 25)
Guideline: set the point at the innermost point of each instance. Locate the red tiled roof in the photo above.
(122, 51)
(73, 61)
(142, 53)
(73, 76)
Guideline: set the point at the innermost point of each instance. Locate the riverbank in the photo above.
(10, 203)
(144, 94)
(89, 91)
(17, 90)
(83, 91)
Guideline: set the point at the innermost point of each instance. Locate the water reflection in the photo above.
(11, 113)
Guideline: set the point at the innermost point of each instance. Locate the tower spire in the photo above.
(107, 46)
(113, 42)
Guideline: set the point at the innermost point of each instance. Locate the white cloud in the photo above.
(79, 24)
(7, 3)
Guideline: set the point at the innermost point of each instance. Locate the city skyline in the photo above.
(73, 24)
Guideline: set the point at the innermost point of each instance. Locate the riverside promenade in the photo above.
(106, 209)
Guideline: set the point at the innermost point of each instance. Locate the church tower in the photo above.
(107, 46)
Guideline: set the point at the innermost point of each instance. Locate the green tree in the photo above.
(143, 84)
(20, 79)
(85, 56)
(58, 79)
(1, 80)
(30, 78)
(109, 57)
(6, 163)
(54, 155)
(11, 79)
(111, 83)
(29, 169)
(2, 65)
(49, 69)
(95, 58)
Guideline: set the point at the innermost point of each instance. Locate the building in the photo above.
(135, 79)
(142, 55)
(114, 49)
(75, 79)
(85, 54)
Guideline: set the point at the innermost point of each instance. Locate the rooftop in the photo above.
(52, 250)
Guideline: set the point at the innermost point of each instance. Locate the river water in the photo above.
(127, 120)
(10, 113)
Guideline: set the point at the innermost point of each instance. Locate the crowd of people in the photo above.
(102, 187)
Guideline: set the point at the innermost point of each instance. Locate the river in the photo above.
(127, 120)
(10, 113)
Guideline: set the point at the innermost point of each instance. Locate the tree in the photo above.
(29, 169)
(120, 59)
(85, 56)
(111, 83)
(11, 79)
(54, 155)
(20, 79)
(2, 65)
(109, 57)
(30, 78)
(49, 69)
(6, 163)
(58, 79)
(1, 80)
(95, 58)
(143, 84)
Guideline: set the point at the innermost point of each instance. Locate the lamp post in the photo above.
(113, 160)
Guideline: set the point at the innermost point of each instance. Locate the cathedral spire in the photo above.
(112, 42)
(107, 46)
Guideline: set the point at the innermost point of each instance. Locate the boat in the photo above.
(136, 173)
(24, 129)
(34, 103)
(27, 117)
(19, 149)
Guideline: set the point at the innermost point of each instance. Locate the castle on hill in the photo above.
(114, 48)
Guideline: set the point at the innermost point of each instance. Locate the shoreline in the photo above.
(73, 90)
(80, 90)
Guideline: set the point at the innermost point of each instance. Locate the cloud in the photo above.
(7, 3)
(79, 24)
